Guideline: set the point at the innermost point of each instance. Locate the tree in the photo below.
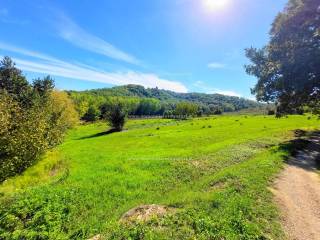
(43, 87)
(92, 114)
(62, 116)
(185, 109)
(116, 116)
(33, 118)
(288, 68)
(148, 106)
(23, 135)
(14, 83)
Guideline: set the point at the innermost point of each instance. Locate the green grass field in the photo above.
(213, 172)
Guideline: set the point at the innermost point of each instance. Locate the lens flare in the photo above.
(213, 5)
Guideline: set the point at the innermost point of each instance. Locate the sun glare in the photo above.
(214, 5)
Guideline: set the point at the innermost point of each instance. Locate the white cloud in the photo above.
(49, 65)
(29, 53)
(73, 33)
(225, 92)
(216, 65)
(204, 87)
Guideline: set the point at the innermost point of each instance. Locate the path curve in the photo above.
(297, 192)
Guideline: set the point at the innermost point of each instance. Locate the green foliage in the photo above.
(61, 116)
(24, 137)
(288, 67)
(185, 109)
(33, 119)
(149, 106)
(32, 216)
(43, 87)
(116, 116)
(141, 101)
(12, 80)
(92, 114)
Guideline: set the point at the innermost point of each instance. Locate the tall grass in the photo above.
(213, 171)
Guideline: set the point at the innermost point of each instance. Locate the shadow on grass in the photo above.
(99, 134)
(304, 151)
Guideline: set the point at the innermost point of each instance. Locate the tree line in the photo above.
(92, 107)
(140, 101)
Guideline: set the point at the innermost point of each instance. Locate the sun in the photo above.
(213, 5)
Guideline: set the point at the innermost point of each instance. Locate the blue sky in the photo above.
(179, 45)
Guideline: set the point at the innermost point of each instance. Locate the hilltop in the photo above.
(211, 101)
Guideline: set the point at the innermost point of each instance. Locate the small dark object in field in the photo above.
(237, 120)
(209, 126)
(216, 204)
(300, 133)
(245, 116)
(271, 112)
(191, 124)
(309, 118)
(158, 128)
(203, 126)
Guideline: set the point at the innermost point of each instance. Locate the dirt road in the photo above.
(297, 192)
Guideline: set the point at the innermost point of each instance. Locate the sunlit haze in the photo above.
(178, 45)
(213, 5)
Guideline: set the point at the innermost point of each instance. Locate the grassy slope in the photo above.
(214, 171)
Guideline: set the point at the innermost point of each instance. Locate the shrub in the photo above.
(116, 116)
(271, 112)
(217, 112)
(92, 114)
(33, 118)
(23, 137)
(62, 114)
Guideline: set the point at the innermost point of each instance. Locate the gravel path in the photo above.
(297, 192)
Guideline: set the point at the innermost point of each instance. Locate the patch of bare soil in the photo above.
(145, 213)
(297, 192)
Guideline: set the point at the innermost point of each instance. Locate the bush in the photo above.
(33, 118)
(116, 116)
(92, 114)
(62, 114)
(217, 112)
(23, 137)
(271, 112)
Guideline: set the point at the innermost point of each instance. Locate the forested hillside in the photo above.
(153, 101)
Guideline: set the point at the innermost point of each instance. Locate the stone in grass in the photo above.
(145, 213)
(96, 237)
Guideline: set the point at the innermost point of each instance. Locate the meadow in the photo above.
(212, 173)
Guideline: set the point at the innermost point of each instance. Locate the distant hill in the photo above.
(225, 103)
